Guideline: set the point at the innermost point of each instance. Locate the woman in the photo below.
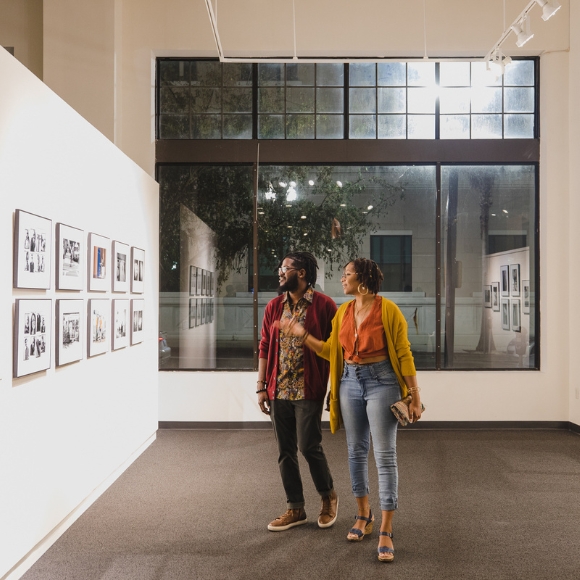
(371, 367)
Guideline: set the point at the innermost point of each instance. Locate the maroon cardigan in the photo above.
(318, 323)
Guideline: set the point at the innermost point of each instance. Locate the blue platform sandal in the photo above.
(386, 554)
(356, 535)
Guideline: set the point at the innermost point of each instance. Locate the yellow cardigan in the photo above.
(399, 353)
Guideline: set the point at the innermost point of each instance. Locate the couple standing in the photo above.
(364, 347)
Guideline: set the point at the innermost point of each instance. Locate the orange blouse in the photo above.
(369, 340)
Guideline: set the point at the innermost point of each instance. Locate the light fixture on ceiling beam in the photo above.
(523, 31)
(495, 66)
(549, 8)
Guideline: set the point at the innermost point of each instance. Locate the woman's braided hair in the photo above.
(369, 274)
(306, 261)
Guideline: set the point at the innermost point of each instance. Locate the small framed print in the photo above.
(211, 283)
(138, 261)
(198, 281)
(69, 331)
(192, 312)
(515, 308)
(70, 252)
(495, 296)
(487, 296)
(121, 261)
(99, 261)
(198, 321)
(505, 280)
(121, 318)
(32, 251)
(99, 325)
(526, 296)
(32, 336)
(192, 280)
(211, 307)
(505, 314)
(515, 279)
(203, 283)
(137, 307)
(203, 311)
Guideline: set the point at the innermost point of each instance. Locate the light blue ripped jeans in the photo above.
(366, 394)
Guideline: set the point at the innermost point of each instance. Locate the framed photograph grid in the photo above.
(99, 263)
(526, 296)
(69, 331)
(487, 296)
(32, 336)
(32, 251)
(138, 272)
(121, 318)
(121, 264)
(515, 280)
(99, 325)
(137, 307)
(495, 300)
(70, 257)
(505, 280)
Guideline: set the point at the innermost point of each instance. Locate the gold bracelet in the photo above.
(413, 389)
(305, 335)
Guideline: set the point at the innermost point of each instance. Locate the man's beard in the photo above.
(291, 285)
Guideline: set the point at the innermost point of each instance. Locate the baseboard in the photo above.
(574, 428)
(25, 563)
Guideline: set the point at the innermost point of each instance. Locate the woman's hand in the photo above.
(290, 326)
(415, 408)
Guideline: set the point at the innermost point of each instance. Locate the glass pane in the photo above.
(206, 126)
(392, 126)
(329, 100)
(421, 100)
(329, 127)
(300, 74)
(421, 126)
(271, 100)
(330, 75)
(519, 126)
(299, 100)
(237, 126)
(173, 127)
(391, 74)
(481, 77)
(486, 100)
(421, 74)
(270, 126)
(362, 126)
(173, 72)
(392, 100)
(519, 73)
(300, 126)
(489, 291)
(205, 300)
(519, 100)
(454, 100)
(237, 100)
(362, 100)
(206, 100)
(270, 74)
(362, 74)
(206, 73)
(454, 74)
(173, 100)
(237, 74)
(486, 126)
(454, 127)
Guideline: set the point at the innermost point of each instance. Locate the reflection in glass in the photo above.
(454, 127)
(271, 126)
(362, 101)
(329, 75)
(362, 126)
(270, 74)
(329, 100)
(206, 126)
(237, 75)
(486, 127)
(519, 100)
(300, 74)
(519, 73)
(237, 126)
(271, 100)
(237, 100)
(392, 100)
(329, 127)
(519, 126)
(205, 101)
(391, 74)
(362, 74)
(392, 126)
(206, 73)
(173, 127)
(300, 126)
(299, 100)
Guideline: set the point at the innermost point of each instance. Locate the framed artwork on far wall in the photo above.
(203, 282)
(99, 326)
(99, 263)
(138, 261)
(192, 280)
(137, 307)
(192, 312)
(515, 279)
(505, 314)
(32, 251)
(198, 281)
(505, 280)
(121, 320)
(487, 296)
(515, 308)
(526, 296)
(495, 296)
(70, 257)
(198, 321)
(121, 265)
(32, 336)
(69, 331)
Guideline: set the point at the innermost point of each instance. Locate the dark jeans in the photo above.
(297, 425)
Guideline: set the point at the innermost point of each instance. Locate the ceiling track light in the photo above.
(549, 8)
(522, 31)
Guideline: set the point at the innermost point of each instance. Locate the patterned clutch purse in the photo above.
(400, 410)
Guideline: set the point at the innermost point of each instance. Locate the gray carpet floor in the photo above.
(472, 505)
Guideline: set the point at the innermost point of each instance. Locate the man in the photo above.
(292, 384)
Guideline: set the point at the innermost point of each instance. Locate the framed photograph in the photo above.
(495, 296)
(121, 260)
(99, 261)
(32, 251)
(515, 279)
(505, 280)
(99, 325)
(69, 331)
(515, 308)
(505, 314)
(137, 307)
(211, 283)
(192, 281)
(198, 281)
(70, 252)
(211, 307)
(138, 261)
(121, 316)
(198, 321)
(203, 282)
(192, 311)
(526, 296)
(487, 296)
(32, 336)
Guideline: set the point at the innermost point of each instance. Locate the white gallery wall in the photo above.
(66, 432)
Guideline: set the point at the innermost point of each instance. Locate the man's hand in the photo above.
(264, 403)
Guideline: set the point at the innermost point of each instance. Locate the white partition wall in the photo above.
(67, 432)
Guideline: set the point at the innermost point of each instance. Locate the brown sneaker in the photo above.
(329, 511)
(288, 520)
